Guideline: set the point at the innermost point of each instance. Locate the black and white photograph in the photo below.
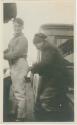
(38, 61)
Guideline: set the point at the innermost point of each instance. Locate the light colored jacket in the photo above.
(17, 48)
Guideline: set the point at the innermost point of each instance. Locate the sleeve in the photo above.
(38, 68)
(45, 64)
(18, 50)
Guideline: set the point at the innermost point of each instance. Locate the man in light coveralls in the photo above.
(16, 54)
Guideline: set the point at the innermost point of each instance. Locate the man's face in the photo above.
(17, 27)
(40, 43)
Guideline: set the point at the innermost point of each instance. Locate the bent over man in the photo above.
(52, 103)
(16, 54)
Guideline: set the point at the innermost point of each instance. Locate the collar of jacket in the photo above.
(18, 34)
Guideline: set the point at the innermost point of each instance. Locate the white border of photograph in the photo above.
(1, 64)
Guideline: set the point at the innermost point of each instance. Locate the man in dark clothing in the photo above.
(52, 103)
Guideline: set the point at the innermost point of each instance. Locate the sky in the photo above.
(36, 13)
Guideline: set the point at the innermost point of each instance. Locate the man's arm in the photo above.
(18, 50)
(37, 68)
(5, 53)
(45, 64)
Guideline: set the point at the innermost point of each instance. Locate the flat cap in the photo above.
(38, 36)
(19, 21)
(41, 35)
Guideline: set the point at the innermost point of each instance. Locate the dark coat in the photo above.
(54, 78)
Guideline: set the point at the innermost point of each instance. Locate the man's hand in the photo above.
(30, 68)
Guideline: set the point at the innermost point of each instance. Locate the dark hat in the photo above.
(19, 21)
(38, 36)
(41, 35)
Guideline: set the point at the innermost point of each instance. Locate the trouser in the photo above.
(18, 73)
(53, 116)
(6, 88)
(61, 115)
